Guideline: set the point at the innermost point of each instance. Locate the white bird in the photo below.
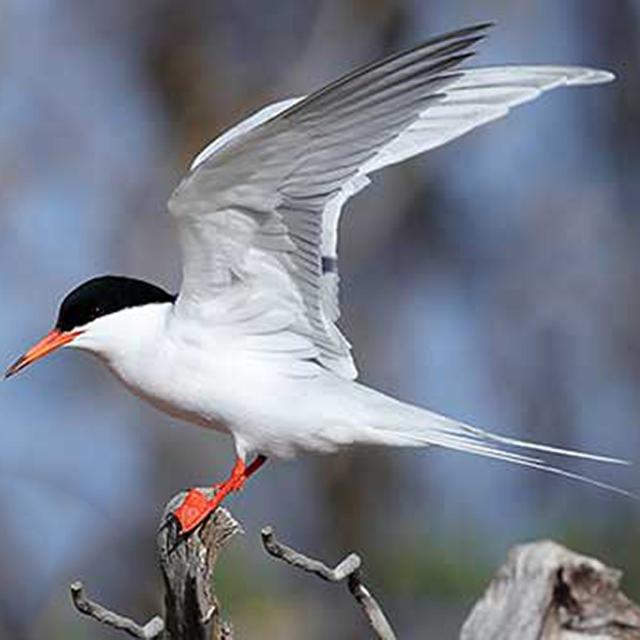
(250, 345)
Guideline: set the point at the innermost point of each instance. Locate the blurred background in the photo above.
(494, 280)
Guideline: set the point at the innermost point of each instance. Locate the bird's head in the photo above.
(92, 312)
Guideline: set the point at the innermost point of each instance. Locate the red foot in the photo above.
(196, 506)
(193, 510)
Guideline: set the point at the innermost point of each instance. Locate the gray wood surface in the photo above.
(192, 610)
(543, 591)
(546, 592)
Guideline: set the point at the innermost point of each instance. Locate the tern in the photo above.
(250, 345)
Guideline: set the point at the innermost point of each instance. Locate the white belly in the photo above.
(249, 395)
(269, 398)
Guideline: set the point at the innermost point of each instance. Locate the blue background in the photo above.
(494, 280)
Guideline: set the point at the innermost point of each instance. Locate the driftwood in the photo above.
(542, 592)
(547, 592)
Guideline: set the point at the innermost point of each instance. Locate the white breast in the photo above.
(192, 371)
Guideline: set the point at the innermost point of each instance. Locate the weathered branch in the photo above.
(349, 568)
(150, 631)
(542, 592)
(192, 611)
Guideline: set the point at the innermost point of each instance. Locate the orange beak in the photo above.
(52, 341)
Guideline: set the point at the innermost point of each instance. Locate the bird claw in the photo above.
(194, 509)
(197, 506)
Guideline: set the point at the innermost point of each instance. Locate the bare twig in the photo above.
(278, 550)
(153, 629)
(192, 611)
(349, 568)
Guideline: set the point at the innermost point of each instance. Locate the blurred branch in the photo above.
(149, 631)
(349, 568)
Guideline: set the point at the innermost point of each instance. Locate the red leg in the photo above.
(258, 461)
(196, 506)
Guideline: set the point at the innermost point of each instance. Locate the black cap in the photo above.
(104, 295)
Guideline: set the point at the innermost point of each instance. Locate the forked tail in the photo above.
(397, 423)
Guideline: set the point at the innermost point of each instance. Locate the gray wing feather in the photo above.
(262, 203)
(475, 98)
(252, 210)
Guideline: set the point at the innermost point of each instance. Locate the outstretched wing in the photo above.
(279, 229)
(250, 215)
(477, 97)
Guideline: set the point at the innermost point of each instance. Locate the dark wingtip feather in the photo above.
(457, 45)
(483, 26)
(458, 33)
(474, 28)
(452, 41)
